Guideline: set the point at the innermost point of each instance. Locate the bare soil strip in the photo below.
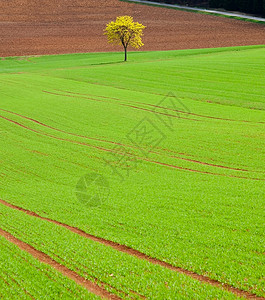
(89, 285)
(130, 251)
(50, 27)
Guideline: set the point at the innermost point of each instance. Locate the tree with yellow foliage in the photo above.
(124, 31)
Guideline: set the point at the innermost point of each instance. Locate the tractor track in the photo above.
(44, 258)
(131, 155)
(136, 253)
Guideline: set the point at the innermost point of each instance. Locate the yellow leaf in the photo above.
(124, 31)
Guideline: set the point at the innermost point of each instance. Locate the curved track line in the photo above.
(63, 131)
(89, 285)
(162, 95)
(138, 254)
(137, 157)
(179, 111)
(204, 116)
(197, 171)
(205, 163)
(55, 137)
(122, 104)
(120, 144)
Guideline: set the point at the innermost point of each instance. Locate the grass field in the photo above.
(163, 154)
(23, 277)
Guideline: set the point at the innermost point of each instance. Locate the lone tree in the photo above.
(125, 32)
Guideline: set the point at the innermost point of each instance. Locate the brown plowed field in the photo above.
(30, 27)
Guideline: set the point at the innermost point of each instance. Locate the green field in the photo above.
(23, 277)
(171, 147)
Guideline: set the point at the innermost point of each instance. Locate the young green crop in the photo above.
(120, 273)
(23, 277)
(195, 200)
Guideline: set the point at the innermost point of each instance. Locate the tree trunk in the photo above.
(125, 53)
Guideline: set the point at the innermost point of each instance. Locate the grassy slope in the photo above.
(119, 273)
(212, 223)
(23, 277)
